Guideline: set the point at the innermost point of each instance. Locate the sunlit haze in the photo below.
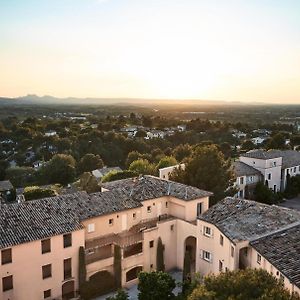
(231, 50)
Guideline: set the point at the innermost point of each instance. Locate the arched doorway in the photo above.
(133, 273)
(68, 290)
(190, 245)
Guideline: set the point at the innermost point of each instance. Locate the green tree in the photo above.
(155, 285)
(166, 161)
(36, 192)
(182, 151)
(292, 186)
(263, 194)
(142, 166)
(115, 175)
(160, 263)
(277, 142)
(90, 162)
(21, 176)
(60, 169)
(141, 134)
(186, 274)
(250, 284)
(117, 266)
(247, 145)
(81, 269)
(206, 169)
(89, 183)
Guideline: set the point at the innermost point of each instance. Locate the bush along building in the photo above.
(273, 168)
(94, 243)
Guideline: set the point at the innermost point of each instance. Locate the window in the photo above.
(295, 170)
(149, 209)
(46, 246)
(134, 216)
(220, 266)
(274, 163)
(254, 162)
(172, 227)
(275, 188)
(258, 258)
(166, 204)
(151, 266)
(232, 251)
(151, 244)
(299, 168)
(6, 256)
(251, 178)
(199, 209)
(206, 255)
(67, 268)
(67, 240)
(269, 176)
(221, 240)
(241, 180)
(91, 227)
(47, 271)
(111, 222)
(47, 294)
(207, 231)
(7, 283)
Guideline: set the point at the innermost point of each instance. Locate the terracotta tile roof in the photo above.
(150, 187)
(282, 250)
(242, 169)
(39, 219)
(244, 220)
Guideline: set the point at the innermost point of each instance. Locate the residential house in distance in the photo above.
(275, 166)
(133, 214)
(152, 134)
(99, 173)
(246, 179)
(258, 140)
(50, 133)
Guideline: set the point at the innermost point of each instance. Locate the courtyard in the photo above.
(133, 291)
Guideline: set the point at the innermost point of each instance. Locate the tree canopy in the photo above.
(90, 162)
(250, 284)
(207, 169)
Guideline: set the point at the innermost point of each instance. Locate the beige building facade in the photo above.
(40, 239)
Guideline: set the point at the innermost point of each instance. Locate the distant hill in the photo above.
(48, 100)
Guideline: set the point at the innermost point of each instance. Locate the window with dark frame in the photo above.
(221, 240)
(67, 240)
(111, 222)
(67, 268)
(46, 246)
(47, 271)
(6, 256)
(7, 283)
(47, 294)
(151, 244)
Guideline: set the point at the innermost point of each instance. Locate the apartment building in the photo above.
(237, 234)
(246, 179)
(274, 167)
(40, 239)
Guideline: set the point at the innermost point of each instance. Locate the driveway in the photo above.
(292, 203)
(133, 291)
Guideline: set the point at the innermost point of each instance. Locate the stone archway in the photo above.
(133, 273)
(68, 290)
(190, 245)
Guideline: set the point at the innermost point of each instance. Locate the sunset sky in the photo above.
(235, 50)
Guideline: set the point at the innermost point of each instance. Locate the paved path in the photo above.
(133, 291)
(292, 203)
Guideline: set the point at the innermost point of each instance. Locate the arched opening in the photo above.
(133, 273)
(68, 290)
(190, 249)
(243, 258)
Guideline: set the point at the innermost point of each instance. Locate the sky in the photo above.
(233, 50)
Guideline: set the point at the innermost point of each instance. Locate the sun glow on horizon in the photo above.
(220, 50)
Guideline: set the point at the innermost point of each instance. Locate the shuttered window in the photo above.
(6, 256)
